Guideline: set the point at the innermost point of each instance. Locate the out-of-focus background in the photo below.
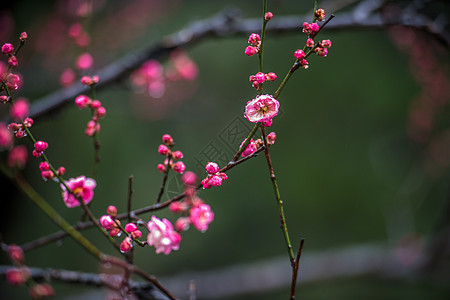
(362, 153)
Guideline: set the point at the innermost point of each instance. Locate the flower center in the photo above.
(78, 191)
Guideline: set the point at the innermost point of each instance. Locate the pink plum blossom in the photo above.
(261, 109)
(212, 168)
(201, 216)
(162, 236)
(82, 187)
(19, 110)
(6, 137)
(250, 149)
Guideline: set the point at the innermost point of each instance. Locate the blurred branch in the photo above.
(349, 262)
(366, 15)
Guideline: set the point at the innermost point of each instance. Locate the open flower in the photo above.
(82, 187)
(261, 109)
(201, 216)
(162, 236)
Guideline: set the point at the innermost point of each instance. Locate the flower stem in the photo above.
(247, 141)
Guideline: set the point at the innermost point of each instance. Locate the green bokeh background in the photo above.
(347, 170)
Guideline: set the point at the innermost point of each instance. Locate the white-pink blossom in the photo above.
(261, 109)
(162, 236)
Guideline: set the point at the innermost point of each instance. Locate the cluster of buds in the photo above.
(322, 49)
(260, 77)
(133, 233)
(214, 178)
(193, 209)
(88, 80)
(152, 77)
(47, 173)
(164, 149)
(39, 148)
(19, 129)
(299, 54)
(255, 43)
(110, 223)
(20, 275)
(8, 49)
(12, 81)
(98, 112)
(253, 145)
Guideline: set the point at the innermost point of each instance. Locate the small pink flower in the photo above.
(309, 43)
(314, 28)
(19, 109)
(261, 109)
(260, 77)
(130, 227)
(189, 178)
(299, 54)
(82, 187)
(212, 168)
(271, 137)
(12, 61)
(201, 216)
(271, 76)
(162, 236)
(251, 50)
(325, 44)
(84, 61)
(179, 167)
(7, 48)
(268, 16)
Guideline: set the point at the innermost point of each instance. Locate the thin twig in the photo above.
(295, 269)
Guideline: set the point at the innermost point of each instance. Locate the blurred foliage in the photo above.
(348, 171)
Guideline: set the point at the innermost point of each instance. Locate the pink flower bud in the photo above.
(161, 168)
(61, 171)
(320, 14)
(7, 48)
(75, 30)
(299, 54)
(268, 16)
(254, 38)
(4, 99)
(130, 227)
(40, 146)
(17, 276)
(212, 168)
(223, 176)
(215, 180)
(304, 64)
(126, 245)
(112, 211)
(39, 291)
(271, 137)
(271, 76)
(179, 167)
(309, 43)
(325, 43)
(260, 77)
(167, 139)
(136, 234)
(177, 155)
(321, 51)
(205, 183)
(101, 112)
(23, 36)
(82, 101)
(189, 178)
(182, 224)
(44, 166)
(107, 222)
(28, 122)
(20, 134)
(314, 27)
(95, 104)
(67, 77)
(46, 175)
(163, 150)
(16, 254)
(12, 61)
(84, 61)
(86, 80)
(19, 110)
(18, 157)
(251, 50)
